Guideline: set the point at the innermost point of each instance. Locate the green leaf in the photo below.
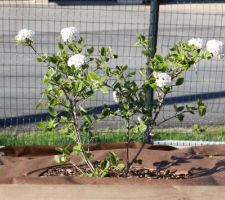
(40, 59)
(52, 59)
(60, 159)
(180, 117)
(63, 150)
(105, 165)
(52, 111)
(126, 105)
(113, 158)
(93, 76)
(131, 74)
(120, 166)
(153, 85)
(76, 149)
(41, 125)
(104, 90)
(48, 76)
(38, 105)
(60, 46)
(115, 56)
(140, 127)
(102, 51)
(88, 119)
(90, 50)
(63, 119)
(82, 110)
(178, 109)
(46, 79)
(78, 86)
(201, 107)
(51, 124)
(180, 81)
(105, 111)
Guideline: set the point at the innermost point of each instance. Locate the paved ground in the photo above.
(102, 25)
(110, 192)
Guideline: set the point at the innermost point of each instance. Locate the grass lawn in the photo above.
(54, 138)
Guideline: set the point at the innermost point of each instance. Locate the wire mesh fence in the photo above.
(105, 23)
(184, 20)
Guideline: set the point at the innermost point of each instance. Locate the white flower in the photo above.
(70, 34)
(139, 118)
(198, 42)
(77, 60)
(162, 79)
(216, 47)
(24, 35)
(115, 97)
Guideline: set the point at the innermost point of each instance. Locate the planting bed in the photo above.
(162, 165)
(135, 172)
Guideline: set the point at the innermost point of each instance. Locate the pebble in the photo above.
(2, 154)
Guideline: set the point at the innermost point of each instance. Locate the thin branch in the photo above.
(79, 169)
(74, 116)
(127, 146)
(135, 158)
(150, 128)
(79, 138)
(35, 51)
(167, 119)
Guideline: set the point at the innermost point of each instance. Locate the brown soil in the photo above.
(70, 170)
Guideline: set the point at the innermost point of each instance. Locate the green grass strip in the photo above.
(106, 136)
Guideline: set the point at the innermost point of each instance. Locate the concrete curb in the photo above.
(183, 143)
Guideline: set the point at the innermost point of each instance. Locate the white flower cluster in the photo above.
(77, 60)
(162, 79)
(24, 35)
(70, 34)
(216, 47)
(116, 99)
(198, 42)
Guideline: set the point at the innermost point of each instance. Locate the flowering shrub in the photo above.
(70, 83)
(74, 75)
(166, 74)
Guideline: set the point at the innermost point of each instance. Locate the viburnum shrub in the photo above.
(74, 76)
(166, 74)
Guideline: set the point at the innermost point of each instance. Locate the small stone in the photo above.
(69, 171)
(2, 154)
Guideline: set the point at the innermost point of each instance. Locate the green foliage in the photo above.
(104, 167)
(201, 107)
(68, 87)
(198, 129)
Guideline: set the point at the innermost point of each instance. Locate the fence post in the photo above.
(153, 33)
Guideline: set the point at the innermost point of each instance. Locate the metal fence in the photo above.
(106, 23)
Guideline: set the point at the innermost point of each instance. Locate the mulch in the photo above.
(203, 165)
